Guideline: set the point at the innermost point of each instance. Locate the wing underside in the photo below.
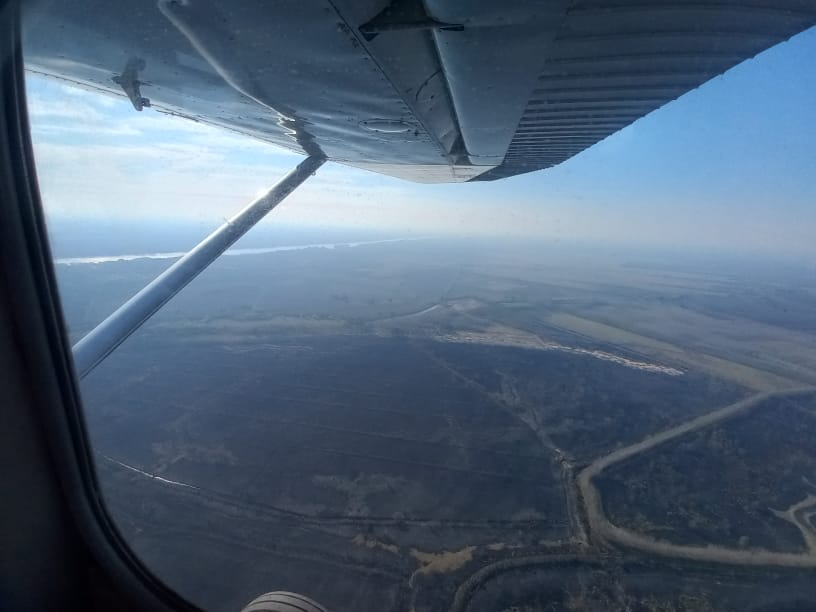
(434, 91)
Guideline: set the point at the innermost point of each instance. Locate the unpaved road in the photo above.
(603, 529)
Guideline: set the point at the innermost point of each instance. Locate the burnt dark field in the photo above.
(358, 426)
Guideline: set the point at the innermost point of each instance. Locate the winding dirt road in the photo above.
(602, 529)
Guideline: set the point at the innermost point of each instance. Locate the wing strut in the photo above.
(111, 332)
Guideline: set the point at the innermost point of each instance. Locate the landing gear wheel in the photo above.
(283, 601)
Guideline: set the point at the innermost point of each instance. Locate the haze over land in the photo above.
(462, 424)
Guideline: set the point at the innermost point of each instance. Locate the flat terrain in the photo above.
(408, 439)
(444, 425)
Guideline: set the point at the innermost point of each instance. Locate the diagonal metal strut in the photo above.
(126, 319)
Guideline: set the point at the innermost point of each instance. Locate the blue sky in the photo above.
(731, 164)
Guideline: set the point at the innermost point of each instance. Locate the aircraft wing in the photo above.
(430, 91)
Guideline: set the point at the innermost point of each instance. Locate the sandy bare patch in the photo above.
(442, 562)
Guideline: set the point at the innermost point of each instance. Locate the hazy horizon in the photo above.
(93, 237)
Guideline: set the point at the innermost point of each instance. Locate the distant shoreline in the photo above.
(70, 261)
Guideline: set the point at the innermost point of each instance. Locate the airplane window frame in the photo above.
(52, 371)
(44, 353)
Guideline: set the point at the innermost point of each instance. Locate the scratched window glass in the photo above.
(424, 320)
